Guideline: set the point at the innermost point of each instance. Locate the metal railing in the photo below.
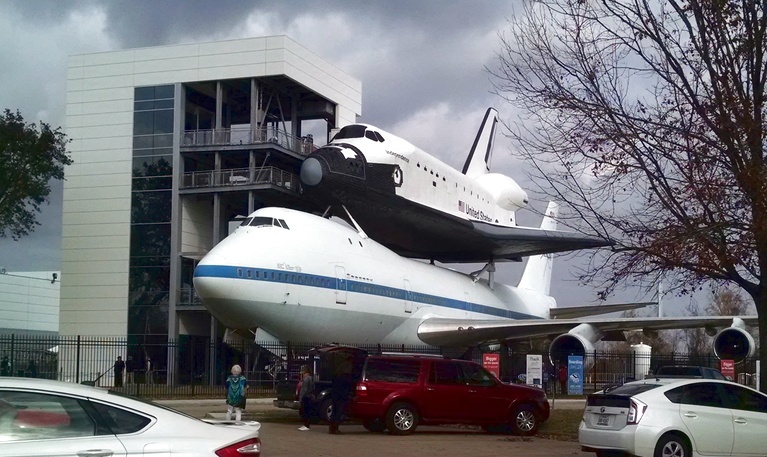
(245, 135)
(240, 177)
(198, 367)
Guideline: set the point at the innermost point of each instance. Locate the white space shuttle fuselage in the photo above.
(301, 277)
(420, 207)
(423, 179)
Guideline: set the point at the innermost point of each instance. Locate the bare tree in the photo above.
(662, 342)
(696, 341)
(647, 119)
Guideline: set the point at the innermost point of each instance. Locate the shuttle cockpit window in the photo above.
(351, 131)
(375, 136)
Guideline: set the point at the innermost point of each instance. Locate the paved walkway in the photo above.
(281, 437)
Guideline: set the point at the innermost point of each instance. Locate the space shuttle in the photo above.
(420, 207)
(296, 276)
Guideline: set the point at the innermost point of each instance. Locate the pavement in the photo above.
(281, 438)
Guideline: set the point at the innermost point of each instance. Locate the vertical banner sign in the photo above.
(574, 375)
(492, 363)
(534, 370)
(727, 367)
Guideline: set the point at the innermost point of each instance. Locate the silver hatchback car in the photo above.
(675, 418)
(50, 418)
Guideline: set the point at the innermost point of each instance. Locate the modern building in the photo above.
(170, 144)
(29, 303)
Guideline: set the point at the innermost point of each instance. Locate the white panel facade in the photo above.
(29, 302)
(99, 122)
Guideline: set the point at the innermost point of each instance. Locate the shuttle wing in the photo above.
(418, 231)
(513, 242)
(457, 332)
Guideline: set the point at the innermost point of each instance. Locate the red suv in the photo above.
(399, 392)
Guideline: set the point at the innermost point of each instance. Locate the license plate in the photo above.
(603, 419)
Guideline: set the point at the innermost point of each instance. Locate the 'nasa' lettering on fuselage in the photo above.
(478, 214)
(285, 266)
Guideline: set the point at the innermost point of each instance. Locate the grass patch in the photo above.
(562, 425)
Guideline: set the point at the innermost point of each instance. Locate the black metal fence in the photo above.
(198, 367)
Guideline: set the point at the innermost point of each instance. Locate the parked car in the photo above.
(665, 417)
(689, 371)
(399, 392)
(51, 418)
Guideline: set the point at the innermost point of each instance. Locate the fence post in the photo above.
(77, 361)
(13, 356)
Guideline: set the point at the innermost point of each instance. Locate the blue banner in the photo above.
(574, 375)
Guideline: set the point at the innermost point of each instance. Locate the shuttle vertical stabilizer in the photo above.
(478, 160)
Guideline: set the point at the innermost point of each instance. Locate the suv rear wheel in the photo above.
(524, 421)
(401, 419)
(374, 425)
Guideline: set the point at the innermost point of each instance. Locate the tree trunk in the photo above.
(761, 310)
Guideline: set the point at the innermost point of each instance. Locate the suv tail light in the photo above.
(636, 412)
(361, 390)
(250, 448)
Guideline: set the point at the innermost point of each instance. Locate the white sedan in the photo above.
(675, 418)
(50, 418)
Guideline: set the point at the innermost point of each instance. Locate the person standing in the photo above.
(130, 367)
(342, 384)
(119, 367)
(31, 369)
(236, 387)
(5, 367)
(563, 378)
(306, 397)
(149, 373)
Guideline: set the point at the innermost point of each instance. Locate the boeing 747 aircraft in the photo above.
(301, 277)
(420, 207)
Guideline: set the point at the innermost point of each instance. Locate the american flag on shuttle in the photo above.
(460, 206)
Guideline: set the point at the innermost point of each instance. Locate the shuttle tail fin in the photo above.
(478, 161)
(537, 274)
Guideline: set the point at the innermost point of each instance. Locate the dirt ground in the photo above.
(281, 438)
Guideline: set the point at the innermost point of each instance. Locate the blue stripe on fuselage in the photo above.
(351, 286)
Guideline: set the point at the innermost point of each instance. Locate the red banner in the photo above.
(727, 367)
(492, 363)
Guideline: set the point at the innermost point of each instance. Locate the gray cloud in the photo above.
(417, 60)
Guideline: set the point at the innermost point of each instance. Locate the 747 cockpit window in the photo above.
(268, 222)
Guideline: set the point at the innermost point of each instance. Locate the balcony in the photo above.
(245, 135)
(237, 177)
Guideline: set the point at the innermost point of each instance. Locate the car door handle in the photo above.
(96, 453)
(430, 389)
(741, 420)
(472, 391)
(690, 414)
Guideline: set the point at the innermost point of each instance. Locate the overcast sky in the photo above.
(421, 64)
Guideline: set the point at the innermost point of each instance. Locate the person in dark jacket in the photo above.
(119, 367)
(343, 382)
(306, 397)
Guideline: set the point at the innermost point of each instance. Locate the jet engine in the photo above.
(504, 191)
(734, 343)
(578, 341)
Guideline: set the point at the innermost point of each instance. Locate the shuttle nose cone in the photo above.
(311, 172)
